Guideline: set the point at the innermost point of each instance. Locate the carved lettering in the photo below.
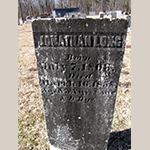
(103, 41)
(87, 41)
(96, 41)
(80, 81)
(81, 41)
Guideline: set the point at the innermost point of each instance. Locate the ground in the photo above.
(31, 124)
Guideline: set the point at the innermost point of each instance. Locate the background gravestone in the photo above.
(92, 13)
(113, 14)
(54, 14)
(20, 21)
(119, 13)
(43, 15)
(83, 15)
(79, 63)
(108, 12)
(73, 14)
(101, 14)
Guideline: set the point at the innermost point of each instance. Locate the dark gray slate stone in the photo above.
(79, 63)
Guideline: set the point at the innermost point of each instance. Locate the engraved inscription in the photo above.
(53, 66)
(51, 40)
(81, 84)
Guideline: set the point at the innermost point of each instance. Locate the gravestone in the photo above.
(101, 14)
(92, 13)
(43, 15)
(119, 13)
(20, 20)
(54, 14)
(66, 15)
(82, 15)
(59, 15)
(73, 14)
(113, 14)
(79, 63)
(108, 13)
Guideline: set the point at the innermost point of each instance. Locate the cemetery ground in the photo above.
(31, 124)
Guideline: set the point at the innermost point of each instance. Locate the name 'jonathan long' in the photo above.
(81, 41)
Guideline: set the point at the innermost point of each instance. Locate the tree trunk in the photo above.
(20, 6)
(104, 6)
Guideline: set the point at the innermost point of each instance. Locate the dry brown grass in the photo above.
(31, 124)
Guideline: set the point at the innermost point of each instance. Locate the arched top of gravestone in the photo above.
(87, 25)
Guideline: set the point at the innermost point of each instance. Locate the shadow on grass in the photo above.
(120, 140)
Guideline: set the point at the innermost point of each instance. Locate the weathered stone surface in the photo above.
(79, 63)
